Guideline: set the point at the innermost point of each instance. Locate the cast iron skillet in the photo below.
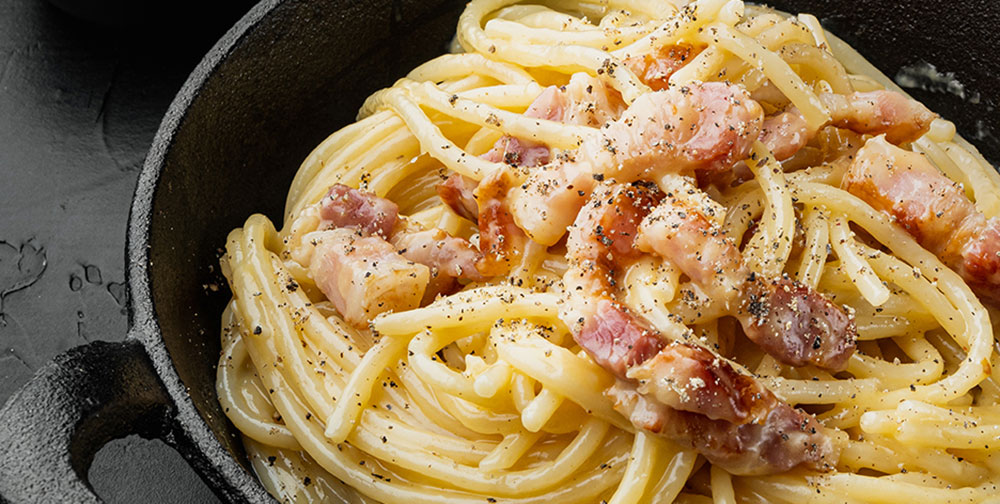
(289, 73)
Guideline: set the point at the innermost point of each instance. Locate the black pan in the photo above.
(289, 73)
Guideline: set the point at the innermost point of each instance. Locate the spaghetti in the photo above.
(753, 302)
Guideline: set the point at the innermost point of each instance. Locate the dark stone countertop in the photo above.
(79, 105)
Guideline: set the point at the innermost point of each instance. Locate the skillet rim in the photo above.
(225, 475)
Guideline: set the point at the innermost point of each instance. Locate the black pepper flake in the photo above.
(257, 330)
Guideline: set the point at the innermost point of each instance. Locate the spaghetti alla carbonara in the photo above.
(625, 252)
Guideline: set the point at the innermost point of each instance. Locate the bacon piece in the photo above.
(932, 208)
(364, 275)
(549, 200)
(790, 321)
(783, 439)
(448, 257)
(605, 230)
(901, 119)
(589, 102)
(689, 377)
(701, 128)
(616, 340)
(796, 324)
(981, 261)
(680, 231)
(343, 265)
(654, 69)
(585, 100)
(680, 375)
(601, 240)
(347, 207)
(785, 133)
(905, 185)
(457, 192)
(442, 252)
(549, 105)
(517, 152)
(500, 240)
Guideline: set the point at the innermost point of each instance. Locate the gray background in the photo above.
(79, 104)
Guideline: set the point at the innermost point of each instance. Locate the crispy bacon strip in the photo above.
(872, 113)
(932, 208)
(445, 254)
(654, 69)
(679, 390)
(458, 193)
(701, 128)
(500, 240)
(364, 275)
(783, 439)
(796, 324)
(347, 207)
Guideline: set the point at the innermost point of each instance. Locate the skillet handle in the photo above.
(51, 428)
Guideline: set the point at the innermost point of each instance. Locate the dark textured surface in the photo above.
(79, 105)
